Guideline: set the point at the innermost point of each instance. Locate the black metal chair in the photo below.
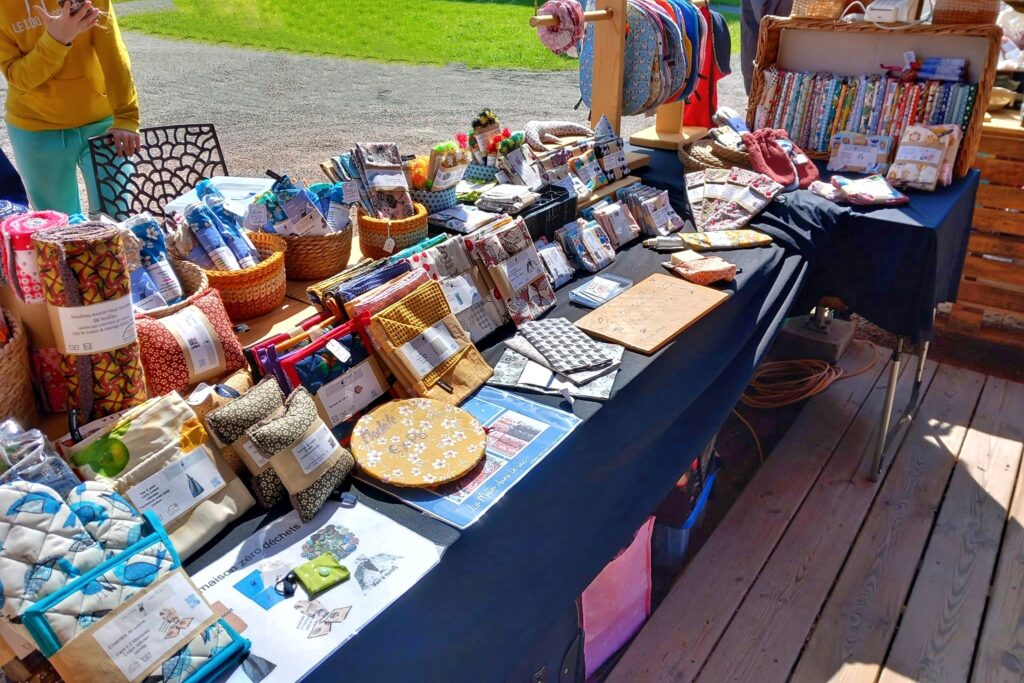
(169, 162)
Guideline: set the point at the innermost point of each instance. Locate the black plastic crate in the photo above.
(555, 207)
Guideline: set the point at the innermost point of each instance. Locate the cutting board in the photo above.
(650, 314)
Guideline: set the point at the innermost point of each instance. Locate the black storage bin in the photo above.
(555, 207)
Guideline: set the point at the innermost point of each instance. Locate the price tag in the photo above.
(257, 216)
(339, 351)
(389, 245)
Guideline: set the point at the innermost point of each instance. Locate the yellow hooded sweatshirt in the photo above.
(51, 86)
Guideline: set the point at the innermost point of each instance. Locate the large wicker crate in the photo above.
(854, 49)
(990, 304)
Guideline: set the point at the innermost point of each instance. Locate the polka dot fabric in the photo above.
(163, 359)
(435, 201)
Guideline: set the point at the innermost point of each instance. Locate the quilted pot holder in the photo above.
(81, 626)
(423, 344)
(303, 452)
(193, 345)
(229, 424)
(510, 257)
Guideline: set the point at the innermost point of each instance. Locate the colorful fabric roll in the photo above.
(363, 284)
(84, 265)
(153, 254)
(19, 255)
(145, 295)
(8, 209)
(203, 225)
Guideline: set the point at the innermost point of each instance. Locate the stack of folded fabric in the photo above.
(461, 219)
(27, 455)
(509, 199)
(728, 199)
(651, 209)
(379, 167)
(587, 244)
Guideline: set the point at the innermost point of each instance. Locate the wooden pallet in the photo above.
(993, 275)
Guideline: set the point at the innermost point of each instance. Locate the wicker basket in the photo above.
(252, 292)
(374, 232)
(965, 11)
(770, 38)
(319, 256)
(194, 282)
(819, 9)
(16, 397)
(435, 201)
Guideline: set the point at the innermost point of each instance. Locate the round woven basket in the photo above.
(317, 256)
(697, 156)
(965, 11)
(480, 173)
(194, 282)
(252, 292)
(435, 201)
(374, 232)
(733, 156)
(16, 397)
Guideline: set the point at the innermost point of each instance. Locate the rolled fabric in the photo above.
(20, 267)
(8, 209)
(84, 267)
(153, 254)
(145, 294)
(232, 235)
(203, 225)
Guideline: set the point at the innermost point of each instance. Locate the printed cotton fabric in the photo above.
(19, 256)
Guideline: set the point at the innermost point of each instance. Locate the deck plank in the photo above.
(936, 636)
(674, 644)
(1000, 652)
(770, 628)
(857, 625)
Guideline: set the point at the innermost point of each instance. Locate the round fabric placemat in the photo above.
(418, 442)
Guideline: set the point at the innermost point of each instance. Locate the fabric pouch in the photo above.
(229, 424)
(618, 224)
(321, 573)
(612, 158)
(512, 263)
(429, 352)
(588, 170)
(304, 453)
(918, 159)
(379, 298)
(859, 153)
(701, 270)
(195, 344)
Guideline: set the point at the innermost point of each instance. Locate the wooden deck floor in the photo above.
(819, 574)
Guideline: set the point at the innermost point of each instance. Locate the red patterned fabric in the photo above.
(163, 359)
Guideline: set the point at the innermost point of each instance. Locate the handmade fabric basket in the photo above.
(479, 173)
(435, 201)
(698, 156)
(193, 281)
(819, 9)
(317, 256)
(17, 399)
(252, 292)
(965, 11)
(374, 232)
(126, 577)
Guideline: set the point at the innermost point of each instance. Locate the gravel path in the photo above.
(289, 112)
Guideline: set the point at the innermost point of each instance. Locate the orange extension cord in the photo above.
(782, 383)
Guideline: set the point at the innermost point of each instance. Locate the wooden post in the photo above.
(609, 64)
(668, 131)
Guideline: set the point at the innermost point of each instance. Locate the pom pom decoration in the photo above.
(417, 172)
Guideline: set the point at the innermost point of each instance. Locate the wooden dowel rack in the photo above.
(609, 17)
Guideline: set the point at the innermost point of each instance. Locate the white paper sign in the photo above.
(156, 623)
(430, 348)
(163, 277)
(315, 449)
(224, 259)
(343, 397)
(522, 269)
(856, 156)
(202, 348)
(461, 292)
(245, 444)
(178, 487)
(97, 327)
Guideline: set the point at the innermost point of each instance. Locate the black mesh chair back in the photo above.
(169, 162)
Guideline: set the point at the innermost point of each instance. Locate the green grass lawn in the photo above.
(479, 34)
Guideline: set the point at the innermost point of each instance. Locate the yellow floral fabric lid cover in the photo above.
(418, 442)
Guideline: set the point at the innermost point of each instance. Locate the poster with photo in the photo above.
(292, 635)
(520, 434)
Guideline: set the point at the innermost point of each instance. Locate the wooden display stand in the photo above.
(993, 277)
(609, 18)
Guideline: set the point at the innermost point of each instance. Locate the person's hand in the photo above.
(125, 142)
(64, 26)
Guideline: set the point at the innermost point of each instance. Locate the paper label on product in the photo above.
(165, 280)
(246, 261)
(150, 302)
(662, 216)
(926, 155)
(315, 449)
(588, 172)
(856, 156)
(178, 487)
(599, 289)
(430, 348)
(614, 160)
(567, 184)
(350, 192)
(338, 216)
(199, 343)
(695, 194)
(223, 259)
(389, 245)
(524, 168)
(461, 292)
(730, 192)
(713, 190)
(249, 453)
(345, 396)
(338, 350)
(750, 201)
(305, 224)
(94, 328)
(157, 622)
(256, 217)
(445, 178)
(522, 269)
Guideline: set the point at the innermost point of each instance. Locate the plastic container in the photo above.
(670, 544)
(555, 207)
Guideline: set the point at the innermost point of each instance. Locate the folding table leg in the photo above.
(890, 396)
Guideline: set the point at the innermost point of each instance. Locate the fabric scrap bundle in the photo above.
(19, 256)
(84, 267)
(510, 199)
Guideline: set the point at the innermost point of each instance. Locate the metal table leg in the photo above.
(890, 396)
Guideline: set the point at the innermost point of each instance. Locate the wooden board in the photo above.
(681, 633)
(857, 624)
(1004, 122)
(606, 191)
(657, 139)
(1000, 652)
(771, 627)
(651, 313)
(940, 624)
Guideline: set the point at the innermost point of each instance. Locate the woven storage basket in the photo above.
(16, 397)
(736, 157)
(435, 201)
(193, 281)
(965, 11)
(478, 173)
(697, 156)
(819, 9)
(317, 257)
(373, 232)
(252, 292)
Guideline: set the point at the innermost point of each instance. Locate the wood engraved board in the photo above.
(649, 315)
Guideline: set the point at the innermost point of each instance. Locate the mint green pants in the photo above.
(48, 161)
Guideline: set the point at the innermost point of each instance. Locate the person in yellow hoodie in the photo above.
(68, 79)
